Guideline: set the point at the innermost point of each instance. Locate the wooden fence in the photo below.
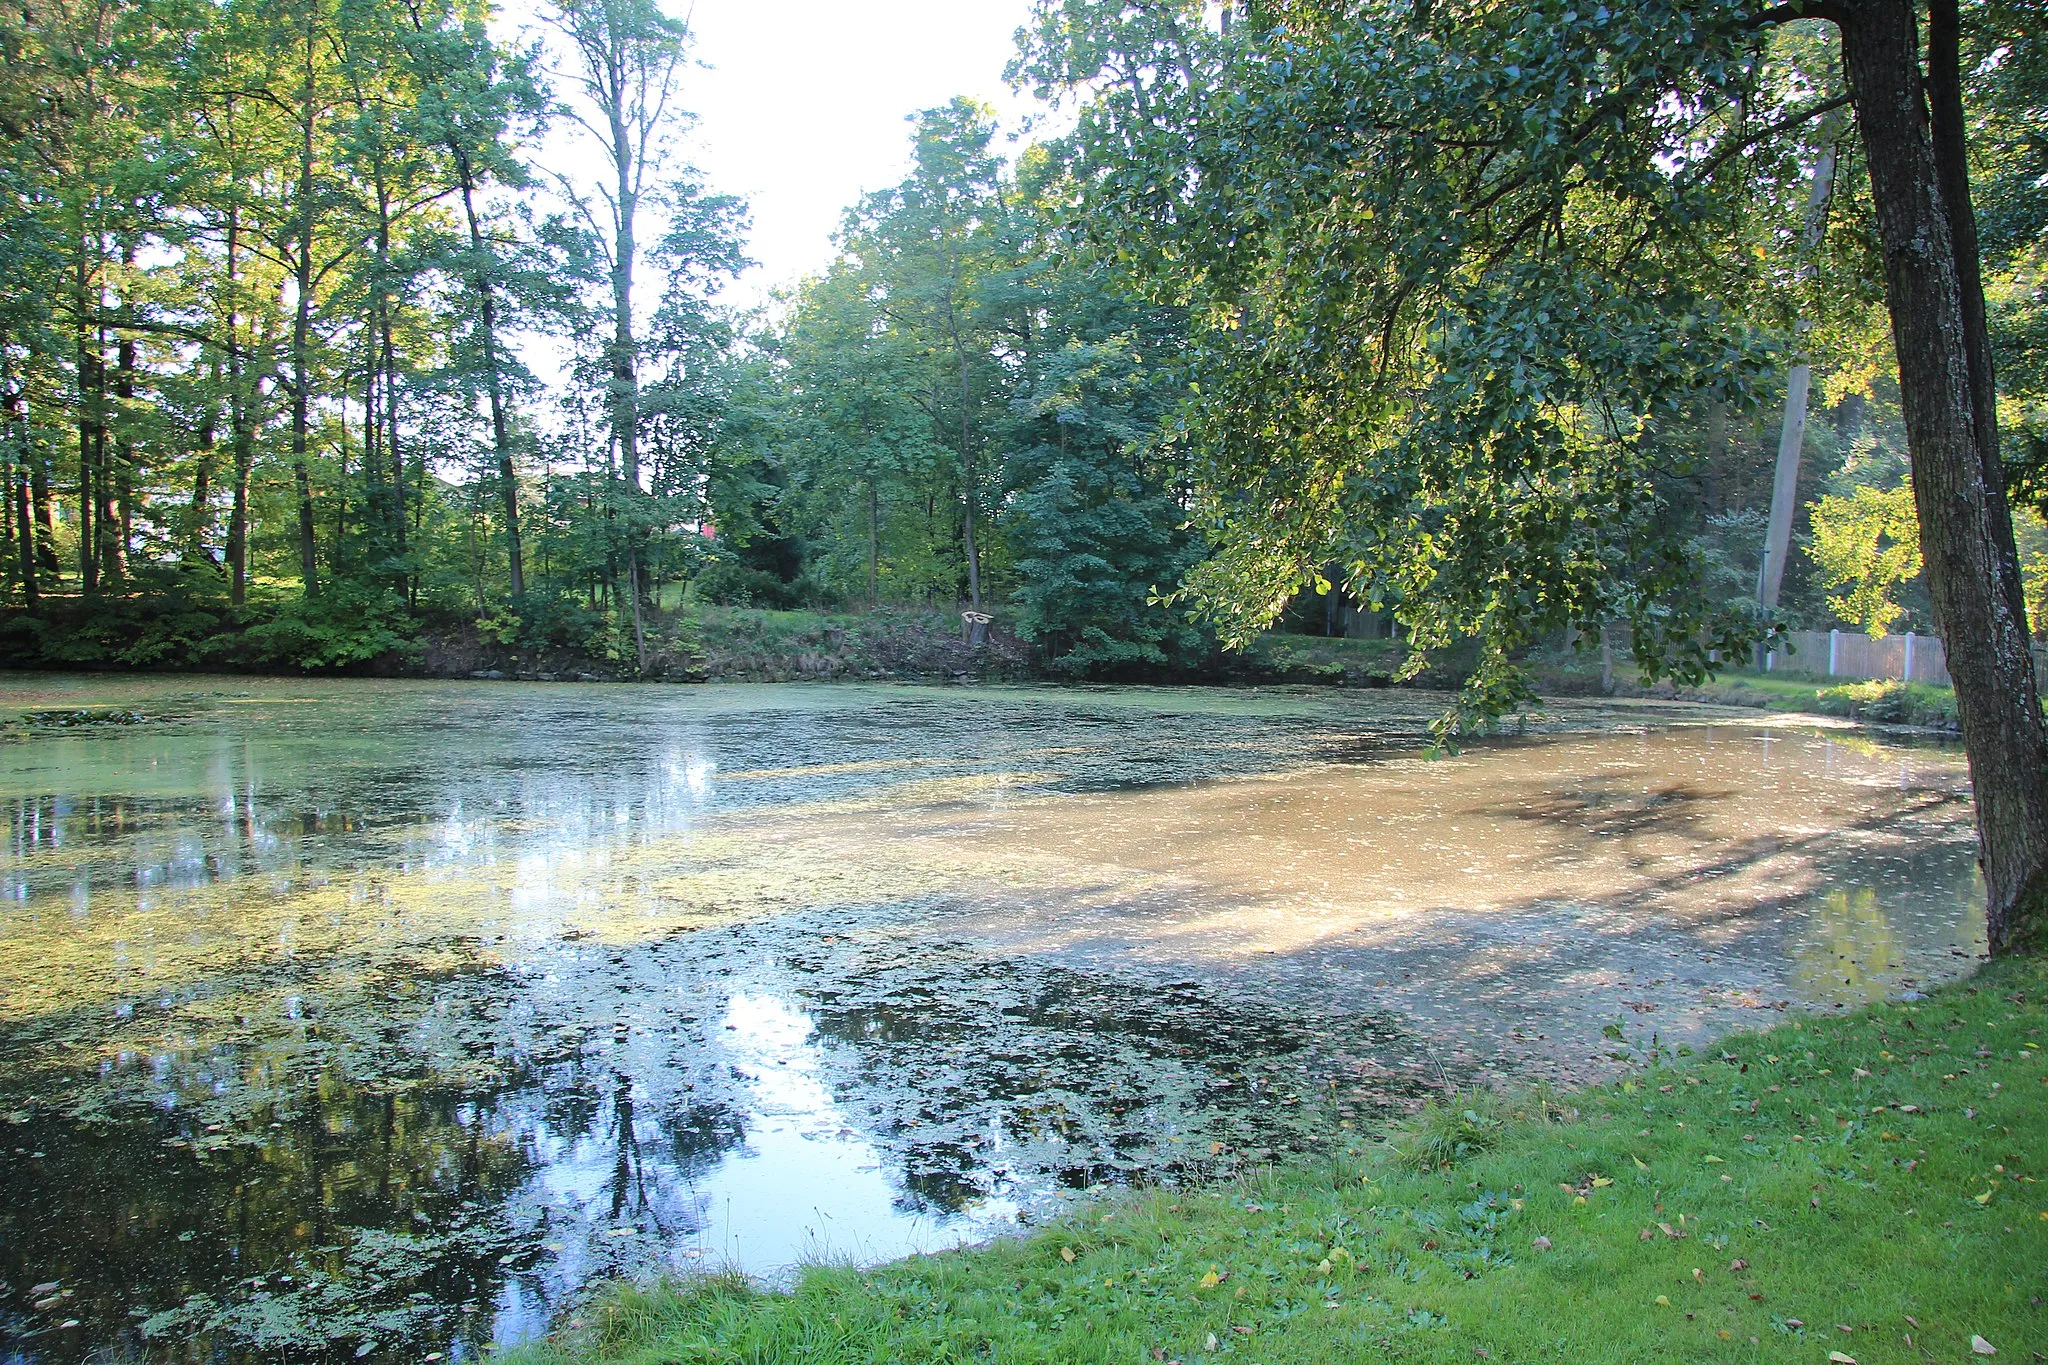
(1852, 654)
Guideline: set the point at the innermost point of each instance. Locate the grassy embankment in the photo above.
(1570, 673)
(1855, 1186)
(1879, 702)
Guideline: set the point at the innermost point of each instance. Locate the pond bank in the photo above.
(1856, 1187)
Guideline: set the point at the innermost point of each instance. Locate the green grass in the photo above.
(1868, 1170)
(1880, 701)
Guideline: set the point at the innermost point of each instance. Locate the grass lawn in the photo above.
(1855, 1186)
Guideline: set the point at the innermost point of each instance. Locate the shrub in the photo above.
(346, 625)
(731, 584)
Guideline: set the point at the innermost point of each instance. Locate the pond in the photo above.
(374, 1019)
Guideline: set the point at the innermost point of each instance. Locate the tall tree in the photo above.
(625, 60)
(933, 239)
(1453, 268)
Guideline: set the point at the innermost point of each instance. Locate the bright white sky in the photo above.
(802, 107)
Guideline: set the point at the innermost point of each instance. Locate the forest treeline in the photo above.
(310, 345)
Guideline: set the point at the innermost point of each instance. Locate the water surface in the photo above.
(379, 1018)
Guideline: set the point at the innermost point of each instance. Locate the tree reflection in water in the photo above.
(397, 1016)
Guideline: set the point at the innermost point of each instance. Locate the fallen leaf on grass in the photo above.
(1663, 1300)
(1981, 1347)
(1541, 1244)
(1838, 1358)
(1212, 1279)
(1737, 1264)
(1067, 1255)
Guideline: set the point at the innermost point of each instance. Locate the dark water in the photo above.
(375, 1019)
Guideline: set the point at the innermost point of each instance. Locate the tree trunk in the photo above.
(968, 477)
(16, 512)
(46, 519)
(302, 333)
(199, 515)
(874, 545)
(26, 537)
(199, 520)
(501, 427)
(1798, 387)
(238, 512)
(1965, 528)
(123, 490)
(1785, 486)
(241, 424)
(388, 365)
(91, 390)
(625, 373)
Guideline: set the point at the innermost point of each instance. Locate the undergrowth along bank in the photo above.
(1858, 1186)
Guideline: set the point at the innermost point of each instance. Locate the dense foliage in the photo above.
(1311, 320)
(270, 270)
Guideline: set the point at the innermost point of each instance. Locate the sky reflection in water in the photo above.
(384, 1016)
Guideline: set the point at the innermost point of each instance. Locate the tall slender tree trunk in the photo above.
(16, 511)
(969, 477)
(1798, 389)
(242, 418)
(874, 544)
(46, 518)
(302, 331)
(501, 426)
(122, 494)
(106, 516)
(10, 557)
(244, 458)
(625, 370)
(91, 398)
(1920, 190)
(394, 449)
(25, 539)
(384, 372)
(199, 514)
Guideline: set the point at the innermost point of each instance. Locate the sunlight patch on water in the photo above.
(400, 1013)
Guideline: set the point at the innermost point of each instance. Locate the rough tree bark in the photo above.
(1920, 188)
